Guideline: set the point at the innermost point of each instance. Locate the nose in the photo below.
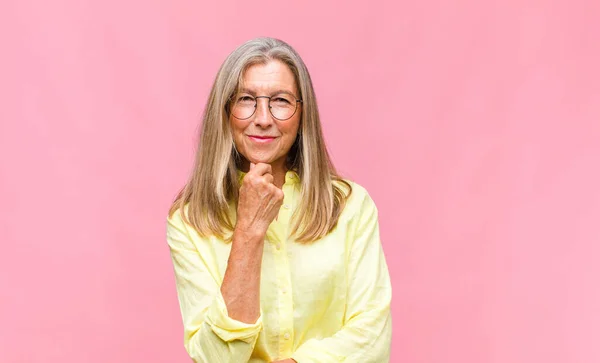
(262, 115)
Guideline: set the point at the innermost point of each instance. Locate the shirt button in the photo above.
(286, 206)
(286, 336)
(278, 246)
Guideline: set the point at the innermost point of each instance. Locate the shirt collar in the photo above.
(291, 177)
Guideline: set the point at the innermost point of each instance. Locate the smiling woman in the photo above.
(276, 256)
(265, 127)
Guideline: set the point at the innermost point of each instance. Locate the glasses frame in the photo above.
(270, 107)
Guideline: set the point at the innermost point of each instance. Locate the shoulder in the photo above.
(358, 192)
(176, 221)
(358, 199)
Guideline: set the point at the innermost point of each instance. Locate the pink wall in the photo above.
(476, 128)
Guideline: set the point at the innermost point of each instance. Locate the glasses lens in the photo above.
(243, 106)
(283, 106)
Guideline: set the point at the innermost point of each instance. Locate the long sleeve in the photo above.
(366, 334)
(210, 335)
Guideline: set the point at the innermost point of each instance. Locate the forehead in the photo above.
(272, 76)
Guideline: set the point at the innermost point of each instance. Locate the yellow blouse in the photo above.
(328, 301)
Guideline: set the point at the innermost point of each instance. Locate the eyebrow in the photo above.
(246, 90)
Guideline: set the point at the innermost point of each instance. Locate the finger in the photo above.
(280, 195)
(276, 192)
(269, 178)
(262, 169)
(252, 165)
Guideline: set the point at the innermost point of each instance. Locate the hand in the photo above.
(290, 360)
(259, 199)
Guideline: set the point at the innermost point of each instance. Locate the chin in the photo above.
(261, 160)
(258, 159)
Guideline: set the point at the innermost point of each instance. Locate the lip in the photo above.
(261, 139)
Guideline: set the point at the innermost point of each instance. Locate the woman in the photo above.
(276, 257)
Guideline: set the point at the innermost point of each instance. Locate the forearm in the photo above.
(210, 335)
(241, 282)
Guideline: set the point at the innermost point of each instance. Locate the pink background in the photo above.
(475, 126)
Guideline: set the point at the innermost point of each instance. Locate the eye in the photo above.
(245, 100)
(281, 100)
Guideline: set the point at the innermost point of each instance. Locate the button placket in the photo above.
(286, 321)
(285, 296)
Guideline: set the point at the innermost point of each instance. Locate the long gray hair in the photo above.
(211, 193)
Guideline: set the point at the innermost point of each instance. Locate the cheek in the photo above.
(291, 129)
(290, 136)
(237, 129)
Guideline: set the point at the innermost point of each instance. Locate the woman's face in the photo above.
(263, 138)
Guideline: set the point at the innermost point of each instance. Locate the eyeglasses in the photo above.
(281, 106)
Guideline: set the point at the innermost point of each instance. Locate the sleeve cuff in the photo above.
(227, 328)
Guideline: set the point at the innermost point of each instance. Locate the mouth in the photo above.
(261, 139)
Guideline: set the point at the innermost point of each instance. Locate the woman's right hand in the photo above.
(259, 200)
